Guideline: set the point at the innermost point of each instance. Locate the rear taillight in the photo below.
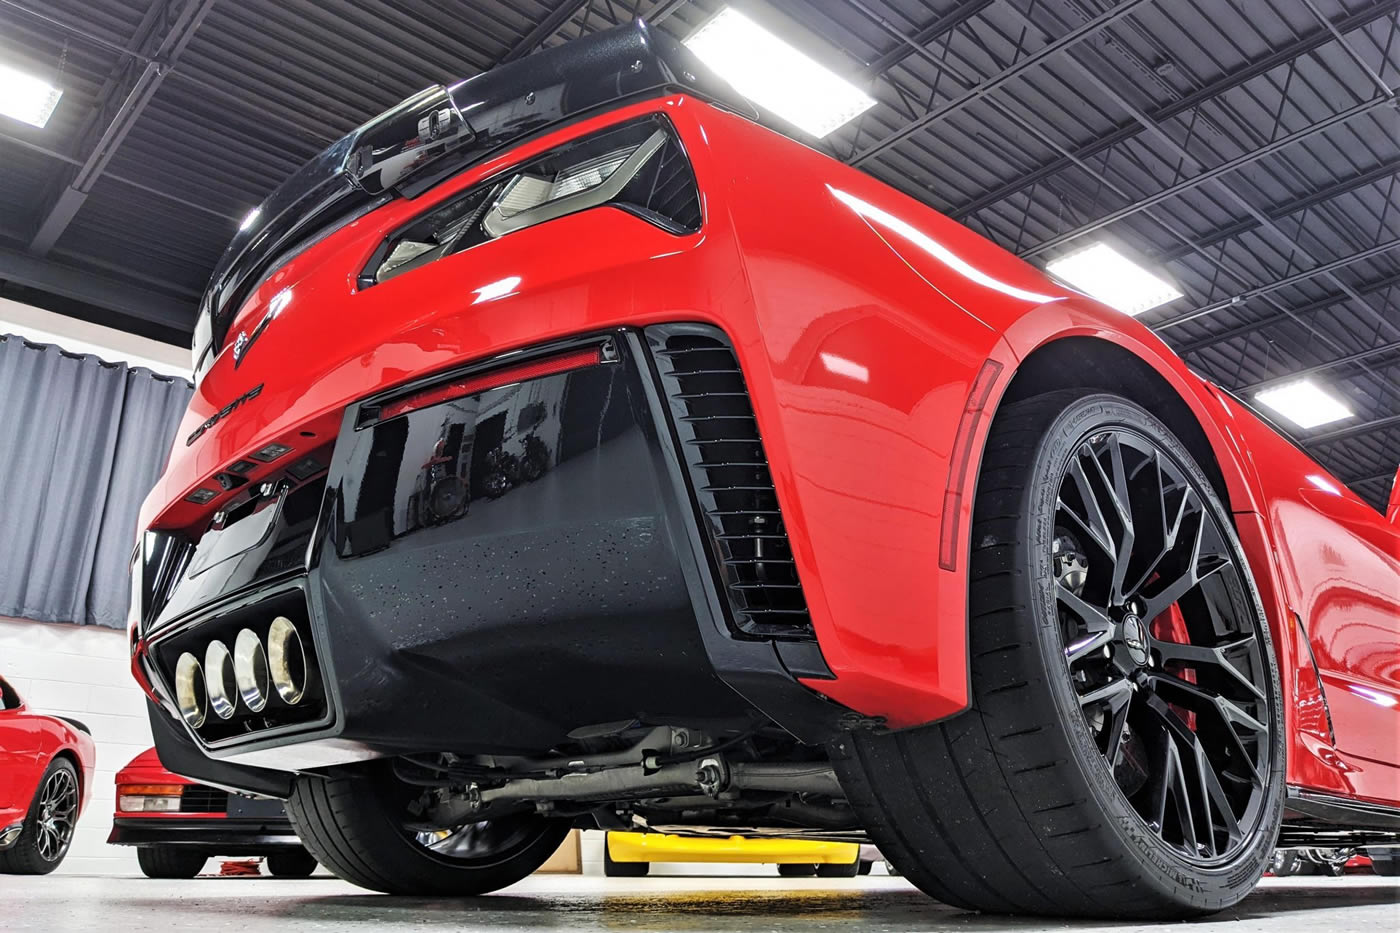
(638, 167)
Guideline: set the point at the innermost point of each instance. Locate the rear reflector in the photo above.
(471, 385)
(960, 461)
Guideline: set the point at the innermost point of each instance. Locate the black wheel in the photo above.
(170, 861)
(356, 824)
(1284, 863)
(797, 871)
(48, 827)
(293, 863)
(614, 869)
(1123, 753)
(833, 870)
(1385, 862)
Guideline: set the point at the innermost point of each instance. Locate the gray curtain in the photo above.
(81, 443)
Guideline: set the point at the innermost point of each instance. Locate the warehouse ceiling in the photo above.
(1248, 150)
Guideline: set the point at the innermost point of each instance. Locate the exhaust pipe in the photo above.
(191, 696)
(250, 670)
(286, 660)
(219, 680)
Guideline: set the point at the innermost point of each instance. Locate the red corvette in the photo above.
(570, 449)
(177, 824)
(46, 765)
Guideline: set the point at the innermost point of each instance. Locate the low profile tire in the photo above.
(48, 826)
(294, 863)
(1285, 863)
(170, 861)
(797, 871)
(849, 870)
(613, 869)
(1122, 756)
(354, 823)
(865, 868)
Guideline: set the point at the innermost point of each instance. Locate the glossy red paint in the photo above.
(862, 319)
(146, 768)
(29, 742)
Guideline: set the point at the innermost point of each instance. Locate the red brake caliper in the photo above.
(1171, 626)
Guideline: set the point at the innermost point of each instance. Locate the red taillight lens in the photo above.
(471, 385)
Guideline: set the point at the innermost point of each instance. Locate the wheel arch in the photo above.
(1094, 363)
(71, 756)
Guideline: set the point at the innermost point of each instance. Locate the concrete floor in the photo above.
(59, 902)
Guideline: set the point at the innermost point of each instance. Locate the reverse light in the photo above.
(148, 798)
(776, 76)
(1109, 276)
(27, 98)
(1304, 404)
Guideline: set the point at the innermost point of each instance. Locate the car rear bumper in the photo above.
(495, 570)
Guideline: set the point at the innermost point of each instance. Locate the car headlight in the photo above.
(638, 166)
(149, 798)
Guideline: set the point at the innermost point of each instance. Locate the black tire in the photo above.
(797, 871)
(835, 870)
(352, 822)
(614, 869)
(1285, 863)
(866, 868)
(1384, 862)
(38, 850)
(1011, 806)
(170, 861)
(292, 863)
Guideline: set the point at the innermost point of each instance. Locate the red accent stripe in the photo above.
(961, 460)
(471, 385)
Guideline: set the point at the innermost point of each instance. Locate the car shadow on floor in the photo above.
(781, 909)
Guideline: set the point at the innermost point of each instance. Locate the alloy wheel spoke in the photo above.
(1096, 620)
(1195, 655)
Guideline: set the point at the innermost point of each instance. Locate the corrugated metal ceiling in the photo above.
(1248, 147)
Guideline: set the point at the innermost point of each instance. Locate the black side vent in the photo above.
(728, 470)
(200, 798)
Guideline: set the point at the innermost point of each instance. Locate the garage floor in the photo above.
(585, 903)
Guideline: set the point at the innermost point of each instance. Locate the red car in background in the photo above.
(177, 824)
(46, 767)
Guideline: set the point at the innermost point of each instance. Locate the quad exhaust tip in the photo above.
(287, 660)
(250, 670)
(190, 694)
(219, 679)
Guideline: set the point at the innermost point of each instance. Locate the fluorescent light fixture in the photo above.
(775, 75)
(27, 98)
(1109, 276)
(1304, 404)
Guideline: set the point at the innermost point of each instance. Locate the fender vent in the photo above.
(728, 471)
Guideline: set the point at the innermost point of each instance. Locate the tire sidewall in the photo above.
(31, 829)
(1210, 887)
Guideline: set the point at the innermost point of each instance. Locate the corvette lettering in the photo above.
(223, 413)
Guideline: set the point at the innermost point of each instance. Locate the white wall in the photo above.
(79, 336)
(84, 672)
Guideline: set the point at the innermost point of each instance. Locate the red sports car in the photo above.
(177, 824)
(778, 505)
(46, 765)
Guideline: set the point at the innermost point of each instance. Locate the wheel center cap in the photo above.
(1134, 635)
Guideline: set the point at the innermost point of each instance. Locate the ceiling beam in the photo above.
(1195, 181)
(71, 199)
(1358, 357)
(96, 289)
(544, 29)
(1242, 330)
(911, 45)
(1326, 268)
(1365, 427)
(1068, 40)
(1225, 82)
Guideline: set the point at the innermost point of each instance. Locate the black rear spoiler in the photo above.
(80, 726)
(439, 131)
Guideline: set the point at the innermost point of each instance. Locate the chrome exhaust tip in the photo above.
(191, 696)
(219, 680)
(286, 660)
(250, 670)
